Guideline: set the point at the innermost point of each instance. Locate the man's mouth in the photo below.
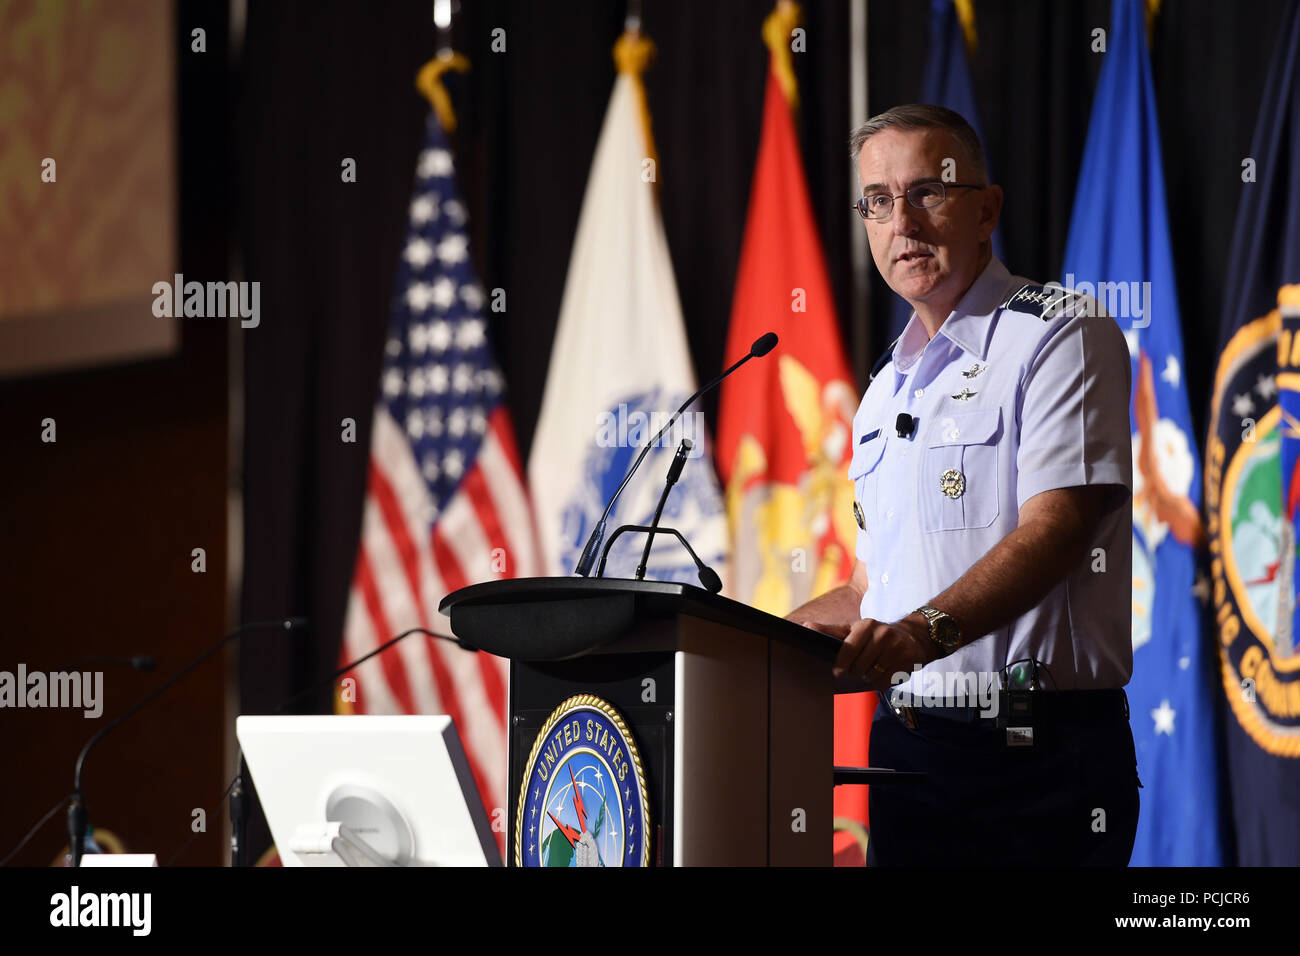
(914, 256)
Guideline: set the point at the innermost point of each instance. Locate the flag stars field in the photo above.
(444, 294)
(440, 336)
(423, 209)
(1173, 371)
(453, 250)
(455, 212)
(434, 163)
(1164, 718)
(473, 297)
(419, 253)
(419, 297)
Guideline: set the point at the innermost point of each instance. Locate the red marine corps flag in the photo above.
(445, 502)
(785, 427)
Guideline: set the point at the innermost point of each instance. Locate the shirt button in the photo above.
(919, 392)
(889, 513)
(884, 578)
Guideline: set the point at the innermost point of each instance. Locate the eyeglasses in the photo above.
(880, 206)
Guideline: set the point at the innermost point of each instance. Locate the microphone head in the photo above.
(708, 577)
(295, 623)
(763, 344)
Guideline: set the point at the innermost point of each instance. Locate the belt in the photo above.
(1030, 707)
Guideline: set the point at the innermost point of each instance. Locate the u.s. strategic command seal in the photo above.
(1252, 493)
(583, 800)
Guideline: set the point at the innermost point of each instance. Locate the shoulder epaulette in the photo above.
(882, 361)
(1044, 301)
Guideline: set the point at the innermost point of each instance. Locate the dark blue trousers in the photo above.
(1071, 800)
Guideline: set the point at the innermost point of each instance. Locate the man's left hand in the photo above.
(876, 651)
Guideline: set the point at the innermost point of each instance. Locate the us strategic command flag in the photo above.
(1119, 251)
(620, 366)
(1252, 483)
(445, 503)
(785, 424)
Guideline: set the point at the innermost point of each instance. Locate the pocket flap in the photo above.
(866, 455)
(975, 427)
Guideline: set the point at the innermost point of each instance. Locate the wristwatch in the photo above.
(943, 629)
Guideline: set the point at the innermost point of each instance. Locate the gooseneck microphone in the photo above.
(708, 577)
(762, 345)
(674, 472)
(78, 815)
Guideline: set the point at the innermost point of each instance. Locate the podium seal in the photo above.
(583, 800)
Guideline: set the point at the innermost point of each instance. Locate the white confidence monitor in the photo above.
(367, 791)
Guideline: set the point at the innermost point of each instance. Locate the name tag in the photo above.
(868, 436)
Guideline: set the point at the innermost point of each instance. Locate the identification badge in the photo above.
(952, 483)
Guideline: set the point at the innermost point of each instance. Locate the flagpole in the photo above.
(442, 10)
(860, 296)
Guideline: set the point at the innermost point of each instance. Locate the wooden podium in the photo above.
(730, 708)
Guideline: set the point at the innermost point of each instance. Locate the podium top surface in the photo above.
(541, 619)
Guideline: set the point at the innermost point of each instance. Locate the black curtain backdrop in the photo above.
(324, 80)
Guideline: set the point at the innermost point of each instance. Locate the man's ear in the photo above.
(990, 211)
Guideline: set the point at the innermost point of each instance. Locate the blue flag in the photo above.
(947, 83)
(1119, 251)
(1252, 484)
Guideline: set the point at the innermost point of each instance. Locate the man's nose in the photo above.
(904, 217)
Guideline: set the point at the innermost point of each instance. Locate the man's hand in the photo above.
(875, 651)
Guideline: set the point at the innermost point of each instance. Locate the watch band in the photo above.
(932, 617)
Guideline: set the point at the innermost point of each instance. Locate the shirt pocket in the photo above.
(864, 472)
(959, 484)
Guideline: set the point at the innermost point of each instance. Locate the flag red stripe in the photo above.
(448, 567)
(489, 519)
(500, 423)
(392, 665)
(386, 499)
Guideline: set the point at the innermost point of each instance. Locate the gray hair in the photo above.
(918, 116)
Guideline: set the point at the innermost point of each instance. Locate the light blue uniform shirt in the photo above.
(1007, 404)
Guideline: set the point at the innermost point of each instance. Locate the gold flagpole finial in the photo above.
(429, 82)
(1153, 8)
(633, 52)
(777, 30)
(966, 17)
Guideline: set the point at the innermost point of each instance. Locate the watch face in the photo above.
(946, 632)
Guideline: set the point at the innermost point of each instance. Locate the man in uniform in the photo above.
(992, 469)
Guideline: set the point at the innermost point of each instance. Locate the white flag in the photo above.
(619, 368)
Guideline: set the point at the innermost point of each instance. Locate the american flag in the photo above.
(445, 501)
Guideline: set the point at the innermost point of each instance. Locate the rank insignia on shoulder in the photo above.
(1045, 301)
